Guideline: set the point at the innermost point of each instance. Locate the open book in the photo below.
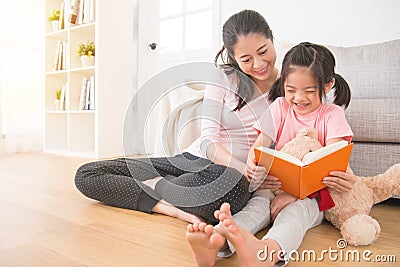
(302, 178)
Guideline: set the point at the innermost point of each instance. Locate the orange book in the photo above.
(302, 178)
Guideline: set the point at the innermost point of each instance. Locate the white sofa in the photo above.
(373, 73)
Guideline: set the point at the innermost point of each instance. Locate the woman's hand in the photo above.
(279, 203)
(340, 181)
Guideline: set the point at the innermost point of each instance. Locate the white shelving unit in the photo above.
(94, 133)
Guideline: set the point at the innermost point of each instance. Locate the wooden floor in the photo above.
(45, 221)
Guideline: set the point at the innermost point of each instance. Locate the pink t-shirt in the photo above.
(232, 129)
(329, 120)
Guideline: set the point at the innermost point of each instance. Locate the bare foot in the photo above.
(250, 250)
(205, 243)
(165, 208)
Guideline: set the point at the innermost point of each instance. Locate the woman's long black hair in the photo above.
(241, 24)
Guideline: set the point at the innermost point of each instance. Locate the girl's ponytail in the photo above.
(342, 93)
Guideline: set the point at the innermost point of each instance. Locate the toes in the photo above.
(202, 226)
(209, 229)
(195, 227)
(189, 228)
(226, 208)
(228, 223)
(223, 217)
(216, 214)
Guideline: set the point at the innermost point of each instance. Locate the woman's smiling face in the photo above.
(255, 55)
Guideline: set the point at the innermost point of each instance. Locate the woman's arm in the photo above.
(219, 155)
(214, 107)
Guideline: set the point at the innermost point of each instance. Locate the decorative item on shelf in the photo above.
(57, 100)
(87, 53)
(55, 19)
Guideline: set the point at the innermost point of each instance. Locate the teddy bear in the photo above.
(351, 211)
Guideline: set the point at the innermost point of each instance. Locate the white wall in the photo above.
(21, 75)
(335, 22)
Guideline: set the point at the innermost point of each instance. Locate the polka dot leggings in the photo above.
(192, 184)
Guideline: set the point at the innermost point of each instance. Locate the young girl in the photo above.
(307, 76)
(192, 185)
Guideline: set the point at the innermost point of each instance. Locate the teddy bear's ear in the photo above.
(302, 132)
(312, 133)
(309, 131)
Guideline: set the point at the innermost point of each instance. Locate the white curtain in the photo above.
(21, 76)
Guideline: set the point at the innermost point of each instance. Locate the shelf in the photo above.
(82, 111)
(84, 71)
(57, 72)
(56, 112)
(87, 28)
(60, 34)
(94, 133)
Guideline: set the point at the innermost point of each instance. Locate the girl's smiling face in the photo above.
(255, 55)
(301, 91)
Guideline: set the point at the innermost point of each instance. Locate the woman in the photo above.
(212, 170)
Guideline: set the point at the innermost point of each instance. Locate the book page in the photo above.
(281, 155)
(324, 151)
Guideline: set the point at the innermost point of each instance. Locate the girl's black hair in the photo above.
(241, 24)
(321, 62)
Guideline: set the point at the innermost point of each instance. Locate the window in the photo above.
(185, 25)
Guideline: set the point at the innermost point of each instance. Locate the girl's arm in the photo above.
(338, 180)
(333, 140)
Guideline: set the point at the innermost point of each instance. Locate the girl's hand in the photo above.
(259, 178)
(271, 182)
(255, 174)
(340, 181)
(279, 203)
(251, 168)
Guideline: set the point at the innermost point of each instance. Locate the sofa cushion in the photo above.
(369, 159)
(375, 120)
(372, 70)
